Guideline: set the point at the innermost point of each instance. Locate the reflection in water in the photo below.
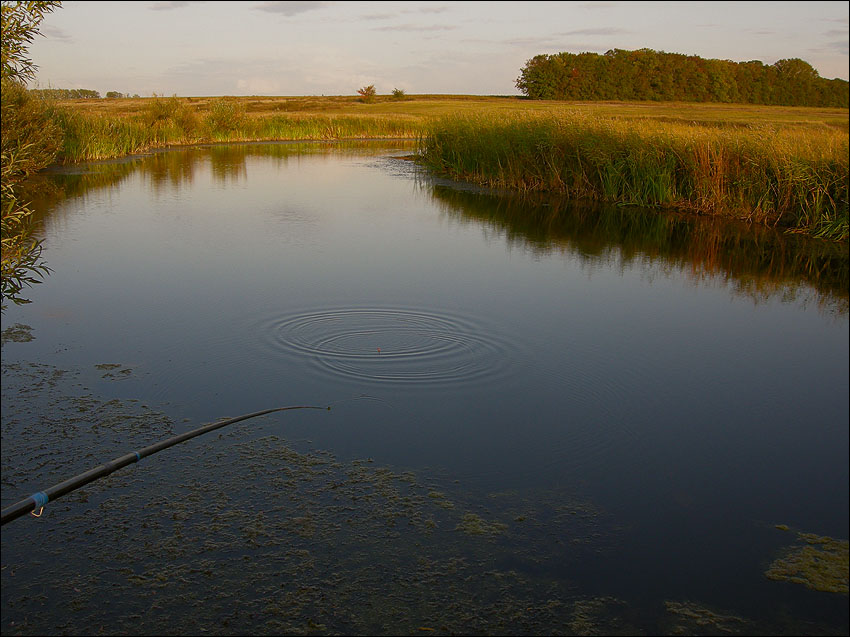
(21, 264)
(756, 262)
(179, 167)
(514, 447)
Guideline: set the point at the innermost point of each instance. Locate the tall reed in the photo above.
(790, 177)
(172, 121)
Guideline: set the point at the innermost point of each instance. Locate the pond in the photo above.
(546, 417)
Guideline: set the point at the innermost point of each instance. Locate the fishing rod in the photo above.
(36, 501)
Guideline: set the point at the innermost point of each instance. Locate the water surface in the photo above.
(546, 416)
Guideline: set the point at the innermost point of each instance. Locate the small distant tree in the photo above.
(398, 94)
(83, 94)
(114, 94)
(367, 93)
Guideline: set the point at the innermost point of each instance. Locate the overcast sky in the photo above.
(334, 48)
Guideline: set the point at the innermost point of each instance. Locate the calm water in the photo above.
(545, 417)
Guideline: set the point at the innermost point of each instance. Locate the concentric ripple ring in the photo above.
(390, 345)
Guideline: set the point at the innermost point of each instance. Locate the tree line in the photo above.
(75, 94)
(646, 74)
(66, 93)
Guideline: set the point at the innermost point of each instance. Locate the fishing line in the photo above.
(36, 502)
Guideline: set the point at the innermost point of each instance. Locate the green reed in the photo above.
(172, 121)
(778, 174)
(786, 176)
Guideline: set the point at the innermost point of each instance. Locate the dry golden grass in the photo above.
(432, 106)
(782, 166)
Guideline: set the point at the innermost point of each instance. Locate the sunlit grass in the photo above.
(791, 176)
(430, 106)
(100, 129)
(781, 166)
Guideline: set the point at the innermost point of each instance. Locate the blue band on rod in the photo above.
(138, 457)
(40, 499)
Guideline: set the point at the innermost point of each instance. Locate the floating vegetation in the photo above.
(473, 524)
(821, 563)
(288, 540)
(440, 499)
(17, 333)
(600, 616)
(251, 533)
(65, 429)
(694, 619)
(108, 366)
(114, 371)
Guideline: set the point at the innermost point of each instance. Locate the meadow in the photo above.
(779, 166)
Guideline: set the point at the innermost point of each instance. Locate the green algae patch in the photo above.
(17, 333)
(324, 546)
(473, 524)
(600, 616)
(820, 563)
(108, 366)
(440, 499)
(251, 533)
(689, 618)
(114, 370)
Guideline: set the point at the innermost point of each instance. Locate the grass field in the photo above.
(431, 106)
(780, 166)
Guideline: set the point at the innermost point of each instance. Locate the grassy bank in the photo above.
(787, 175)
(781, 166)
(91, 134)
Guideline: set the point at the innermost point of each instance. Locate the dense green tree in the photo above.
(646, 74)
(66, 93)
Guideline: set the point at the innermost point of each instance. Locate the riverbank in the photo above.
(789, 177)
(778, 166)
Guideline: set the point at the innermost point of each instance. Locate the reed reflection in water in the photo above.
(548, 417)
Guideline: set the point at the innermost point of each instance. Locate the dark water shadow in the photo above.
(756, 262)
